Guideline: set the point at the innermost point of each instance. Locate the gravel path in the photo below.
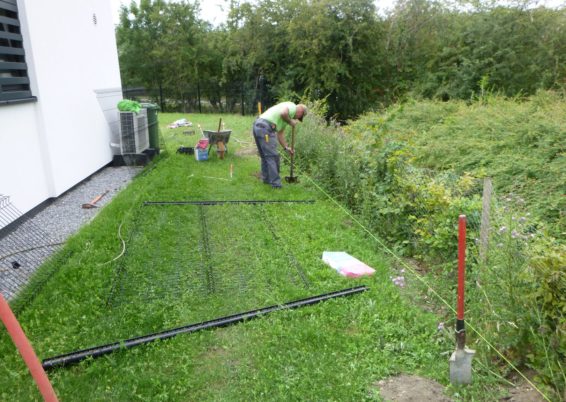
(42, 234)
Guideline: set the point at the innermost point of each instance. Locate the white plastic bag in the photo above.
(346, 265)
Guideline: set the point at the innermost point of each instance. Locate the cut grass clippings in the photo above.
(170, 275)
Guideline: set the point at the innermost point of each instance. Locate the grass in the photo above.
(167, 278)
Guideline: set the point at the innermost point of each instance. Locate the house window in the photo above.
(14, 81)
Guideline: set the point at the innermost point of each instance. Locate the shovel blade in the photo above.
(461, 366)
(291, 179)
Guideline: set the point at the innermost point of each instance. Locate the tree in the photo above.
(340, 51)
(322, 48)
(158, 45)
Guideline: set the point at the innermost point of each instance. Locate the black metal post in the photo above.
(198, 95)
(161, 97)
(262, 95)
(243, 109)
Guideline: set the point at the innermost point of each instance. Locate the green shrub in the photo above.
(548, 260)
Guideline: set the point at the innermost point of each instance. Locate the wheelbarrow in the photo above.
(218, 138)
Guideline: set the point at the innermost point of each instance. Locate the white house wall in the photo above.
(22, 172)
(74, 73)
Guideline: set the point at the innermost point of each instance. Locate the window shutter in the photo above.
(14, 81)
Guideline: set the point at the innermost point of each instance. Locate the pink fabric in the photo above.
(202, 143)
(356, 269)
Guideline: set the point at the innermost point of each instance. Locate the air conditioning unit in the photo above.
(134, 133)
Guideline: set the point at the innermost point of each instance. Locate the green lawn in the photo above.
(254, 256)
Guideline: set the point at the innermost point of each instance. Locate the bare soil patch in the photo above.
(523, 393)
(411, 388)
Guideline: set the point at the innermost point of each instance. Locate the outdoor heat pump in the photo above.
(134, 133)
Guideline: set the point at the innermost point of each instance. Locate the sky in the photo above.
(213, 11)
(216, 11)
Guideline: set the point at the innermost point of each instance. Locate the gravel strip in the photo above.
(42, 234)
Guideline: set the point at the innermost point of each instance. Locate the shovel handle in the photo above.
(98, 197)
(460, 323)
(461, 265)
(293, 148)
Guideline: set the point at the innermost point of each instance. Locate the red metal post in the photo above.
(461, 264)
(26, 350)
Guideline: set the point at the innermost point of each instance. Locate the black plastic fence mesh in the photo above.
(200, 251)
(22, 250)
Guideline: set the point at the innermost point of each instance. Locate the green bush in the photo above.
(548, 262)
(373, 176)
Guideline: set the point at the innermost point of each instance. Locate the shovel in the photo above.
(291, 178)
(461, 359)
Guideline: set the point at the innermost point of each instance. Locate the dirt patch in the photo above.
(417, 265)
(411, 388)
(214, 353)
(523, 393)
(348, 223)
(246, 151)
